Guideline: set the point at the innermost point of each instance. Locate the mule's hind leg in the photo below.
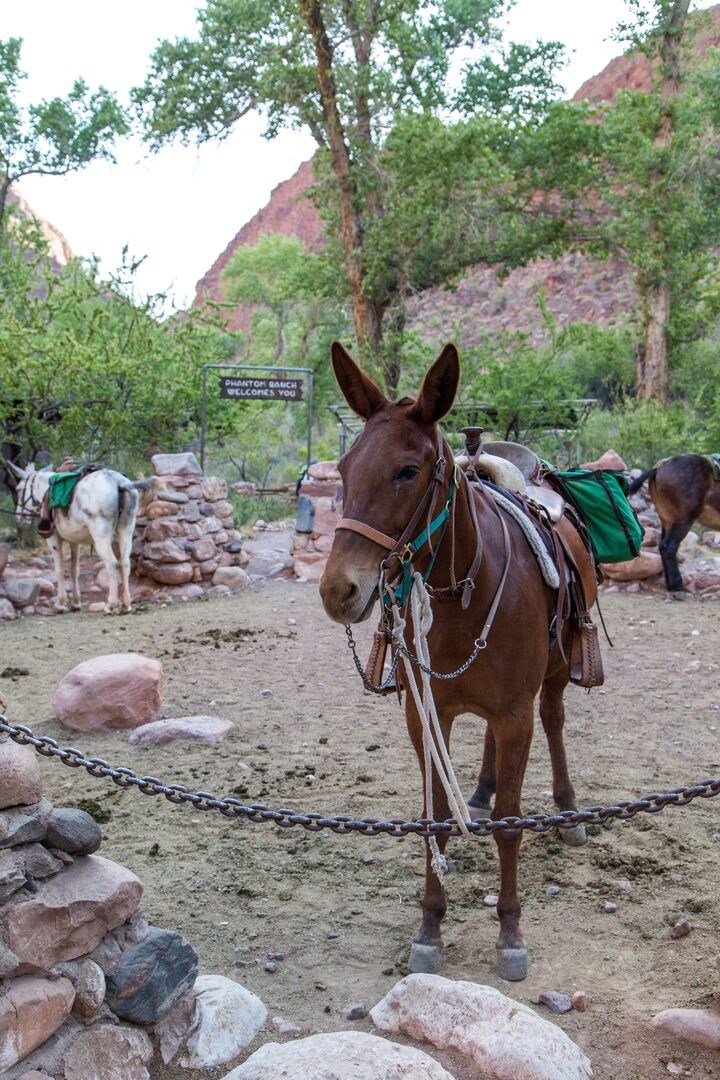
(55, 545)
(479, 801)
(552, 714)
(426, 949)
(103, 545)
(669, 544)
(125, 535)
(75, 576)
(512, 738)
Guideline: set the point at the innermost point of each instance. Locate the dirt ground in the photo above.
(342, 910)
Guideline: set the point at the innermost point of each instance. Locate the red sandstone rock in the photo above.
(165, 551)
(121, 690)
(169, 573)
(206, 729)
(161, 508)
(324, 470)
(214, 487)
(20, 781)
(646, 565)
(234, 576)
(71, 913)
(700, 1026)
(608, 460)
(162, 529)
(202, 550)
(30, 1012)
(309, 565)
(106, 1052)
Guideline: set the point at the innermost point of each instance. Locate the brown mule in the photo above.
(684, 489)
(386, 475)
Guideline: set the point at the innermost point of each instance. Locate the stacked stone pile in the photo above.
(186, 536)
(319, 510)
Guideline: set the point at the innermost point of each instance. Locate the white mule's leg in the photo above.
(55, 545)
(125, 535)
(75, 576)
(104, 548)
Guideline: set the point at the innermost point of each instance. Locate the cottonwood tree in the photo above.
(353, 72)
(639, 177)
(55, 137)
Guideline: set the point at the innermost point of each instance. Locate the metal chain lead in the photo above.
(341, 823)
(402, 648)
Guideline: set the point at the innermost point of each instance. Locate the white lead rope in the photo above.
(435, 751)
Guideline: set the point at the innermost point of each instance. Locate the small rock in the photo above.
(205, 729)
(700, 1026)
(358, 1011)
(21, 825)
(7, 611)
(266, 693)
(113, 1053)
(332, 935)
(284, 1028)
(579, 1001)
(368, 860)
(151, 976)
(622, 884)
(681, 929)
(553, 890)
(676, 877)
(234, 576)
(40, 863)
(490, 900)
(555, 1002)
(30, 1011)
(73, 831)
(89, 988)
(271, 967)
(609, 908)
(275, 956)
(20, 771)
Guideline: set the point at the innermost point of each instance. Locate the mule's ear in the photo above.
(16, 470)
(439, 387)
(361, 393)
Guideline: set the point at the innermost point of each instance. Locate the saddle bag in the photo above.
(600, 497)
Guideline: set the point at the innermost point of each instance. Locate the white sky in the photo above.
(182, 206)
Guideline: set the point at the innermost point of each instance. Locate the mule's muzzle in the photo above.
(346, 598)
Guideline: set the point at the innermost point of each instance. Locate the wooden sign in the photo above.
(251, 389)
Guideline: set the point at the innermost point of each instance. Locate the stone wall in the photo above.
(319, 510)
(186, 536)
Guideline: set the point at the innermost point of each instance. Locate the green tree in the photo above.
(51, 138)
(639, 177)
(352, 71)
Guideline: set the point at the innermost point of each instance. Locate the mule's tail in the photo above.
(638, 482)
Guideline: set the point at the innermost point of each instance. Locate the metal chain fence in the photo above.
(341, 823)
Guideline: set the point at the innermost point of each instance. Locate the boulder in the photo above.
(234, 576)
(343, 1055)
(4, 557)
(701, 1026)
(203, 549)
(214, 1024)
(20, 781)
(211, 524)
(214, 488)
(190, 512)
(609, 460)
(176, 465)
(120, 690)
(205, 729)
(498, 1035)
(324, 470)
(89, 988)
(12, 873)
(70, 914)
(20, 591)
(106, 1052)
(30, 1011)
(21, 825)
(309, 565)
(647, 564)
(159, 508)
(651, 539)
(7, 611)
(151, 977)
(166, 551)
(223, 509)
(73, 831)
(169, 573)
(163, 528)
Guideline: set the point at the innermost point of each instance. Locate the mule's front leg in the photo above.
(55, 545)
(75, 576)
(512, 739)
(426, 948)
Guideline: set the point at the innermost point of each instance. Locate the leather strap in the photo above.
(501, 584)
(377, 537)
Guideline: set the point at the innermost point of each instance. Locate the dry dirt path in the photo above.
(342, 910)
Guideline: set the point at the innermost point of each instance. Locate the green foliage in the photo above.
(84, 370)
(51, 137)
(641, 432)
(269, 508)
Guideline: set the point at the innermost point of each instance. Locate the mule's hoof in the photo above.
(512, 964)
(680, 595)
(574, 837)
(425, 959)
(478, 812)
(76, 607)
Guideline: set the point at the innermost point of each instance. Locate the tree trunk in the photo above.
(652, 365)
(367, 316)
(653, 362)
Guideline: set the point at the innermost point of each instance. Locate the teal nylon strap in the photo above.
(440, 522)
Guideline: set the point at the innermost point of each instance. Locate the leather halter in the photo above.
(409, 543)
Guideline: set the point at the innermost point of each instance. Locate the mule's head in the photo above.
(385, 475)
(29, 491)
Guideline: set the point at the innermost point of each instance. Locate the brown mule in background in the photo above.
(386, 476)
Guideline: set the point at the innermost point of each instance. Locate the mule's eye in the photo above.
(408, 473)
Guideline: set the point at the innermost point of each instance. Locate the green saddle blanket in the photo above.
(62, 486)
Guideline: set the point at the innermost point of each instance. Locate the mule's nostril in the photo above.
(351, 594)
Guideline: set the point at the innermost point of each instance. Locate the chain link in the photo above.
(342, 824)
